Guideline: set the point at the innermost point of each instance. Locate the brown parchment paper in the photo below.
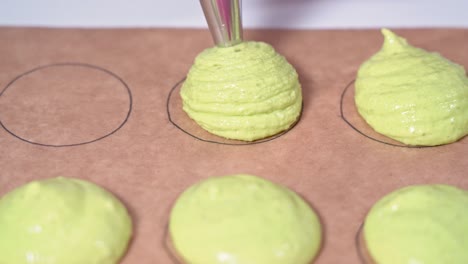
(81, 96)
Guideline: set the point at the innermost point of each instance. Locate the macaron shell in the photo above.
(62, 220)
(243, 219)
(419, 224)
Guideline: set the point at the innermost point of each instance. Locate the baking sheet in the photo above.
(93, 104)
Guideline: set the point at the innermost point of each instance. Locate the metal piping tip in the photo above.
(224, 21)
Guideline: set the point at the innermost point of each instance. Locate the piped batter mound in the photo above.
(419, 224)
(243, 219)
(411, 95)
(62, 220)
(244, 92)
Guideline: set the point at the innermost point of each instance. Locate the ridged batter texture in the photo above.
(243, 219)
(411, 95)
(419, 224)
(245, 92)
(62, 221)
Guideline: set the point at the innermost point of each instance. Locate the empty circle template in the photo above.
(62, 105)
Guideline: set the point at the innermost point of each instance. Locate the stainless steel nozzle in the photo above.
(224, 21)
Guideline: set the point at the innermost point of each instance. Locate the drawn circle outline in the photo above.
(73, 64)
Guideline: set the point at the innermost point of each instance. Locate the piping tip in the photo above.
(224, 21)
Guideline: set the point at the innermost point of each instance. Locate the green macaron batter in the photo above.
(244, 92)
(62, 221)
(411, 95)
(243, 219)
(419, 224)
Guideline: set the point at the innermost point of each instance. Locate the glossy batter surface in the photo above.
(245, 92)
(419, 224)
(243, 219)
(411, 95)
(62, 220)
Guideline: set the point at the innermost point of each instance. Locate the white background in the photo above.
(256, 13)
